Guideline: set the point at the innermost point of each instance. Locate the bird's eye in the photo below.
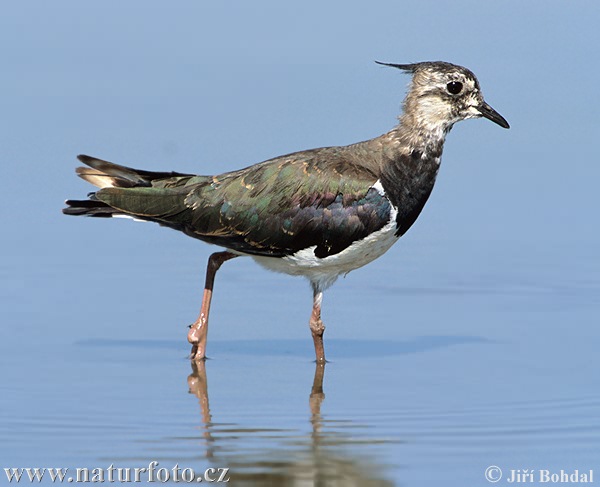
(454, 87)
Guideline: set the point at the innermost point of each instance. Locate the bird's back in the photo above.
(321, 197)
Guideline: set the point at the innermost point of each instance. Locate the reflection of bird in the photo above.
(335, 453)
(318, 213)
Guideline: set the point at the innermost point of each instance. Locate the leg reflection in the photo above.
(317, 396)
(333, 452)
(198, 386)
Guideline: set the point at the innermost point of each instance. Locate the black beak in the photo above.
(491, 114)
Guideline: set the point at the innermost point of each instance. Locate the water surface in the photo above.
(472, 343)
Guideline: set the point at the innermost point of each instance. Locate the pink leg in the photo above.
(199, 329)
(317, 327)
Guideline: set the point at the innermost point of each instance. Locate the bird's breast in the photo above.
(408, 182)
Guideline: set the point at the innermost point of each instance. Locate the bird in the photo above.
(317, 213)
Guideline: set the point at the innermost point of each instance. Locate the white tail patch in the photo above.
(129, 217)
(100, 181)
(97, 178)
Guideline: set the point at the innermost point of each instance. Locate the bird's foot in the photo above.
(197, 354)
(197, 337)
(195, 333)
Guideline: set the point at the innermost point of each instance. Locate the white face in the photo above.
(442, 98)
(442, 94)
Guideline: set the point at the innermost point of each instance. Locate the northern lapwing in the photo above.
(317, 213)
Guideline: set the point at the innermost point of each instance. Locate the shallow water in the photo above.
(488, 371)
(472, 343)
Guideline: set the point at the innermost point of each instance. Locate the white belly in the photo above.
(323, 272)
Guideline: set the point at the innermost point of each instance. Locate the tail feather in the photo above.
(104, 174)
(89, 208)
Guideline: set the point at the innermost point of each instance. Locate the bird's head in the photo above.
(442, 94)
